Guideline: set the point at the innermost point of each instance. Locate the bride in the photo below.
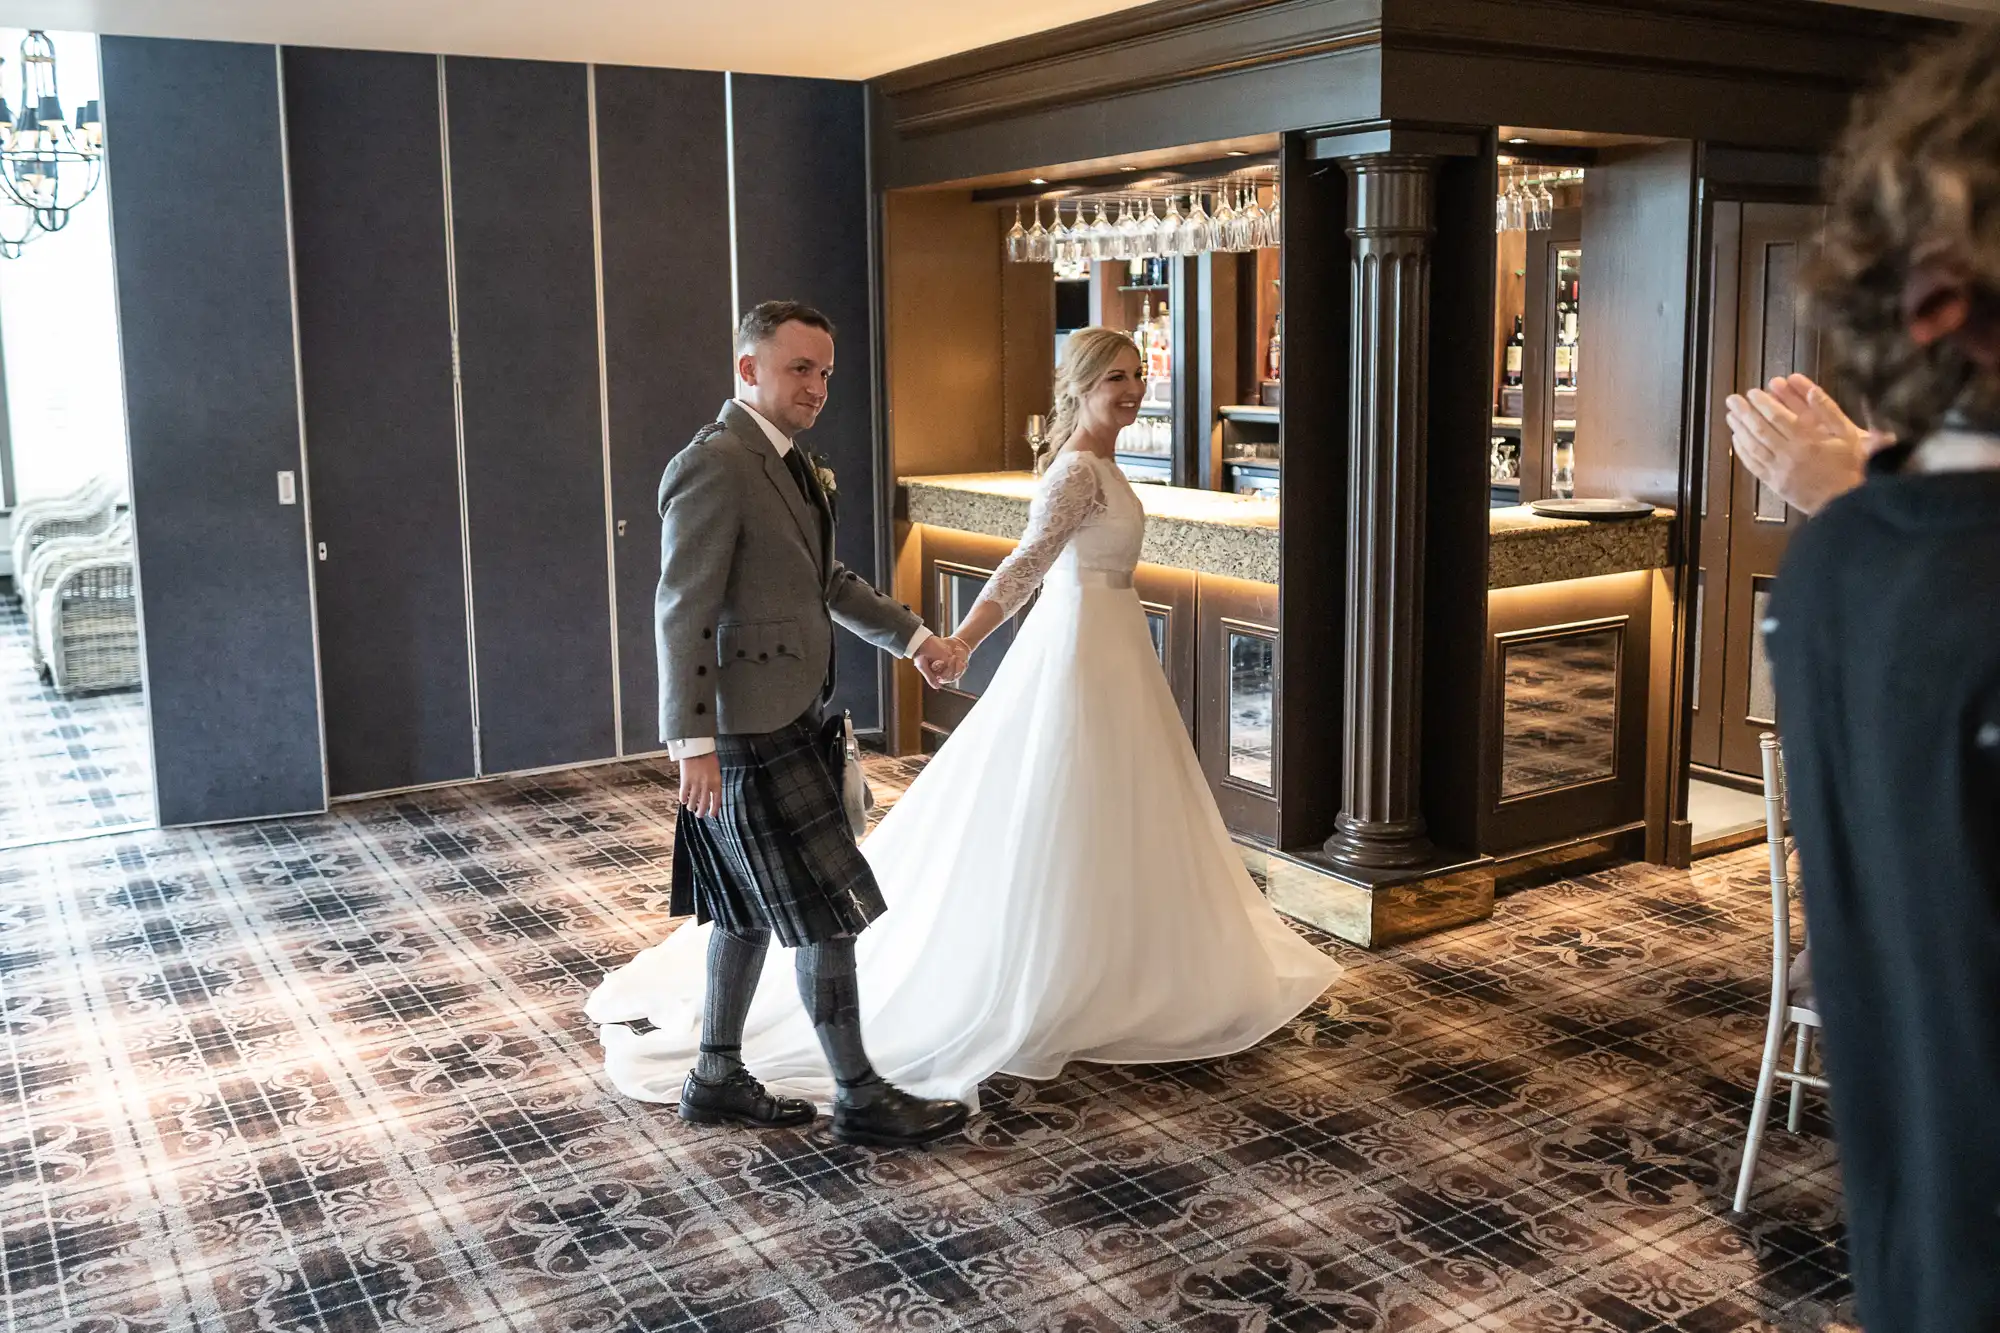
(1059, 881)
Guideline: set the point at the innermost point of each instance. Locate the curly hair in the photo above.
(1915, 183)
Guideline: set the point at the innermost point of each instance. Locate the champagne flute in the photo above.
(1017, 239)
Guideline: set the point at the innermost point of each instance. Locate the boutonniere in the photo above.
(827, 481)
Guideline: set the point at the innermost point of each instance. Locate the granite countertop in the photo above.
(1210, 532)
(1236, 536)
(1525, 547)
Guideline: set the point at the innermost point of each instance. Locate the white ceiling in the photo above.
(852, 39)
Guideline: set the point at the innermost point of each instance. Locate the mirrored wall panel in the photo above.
(1252, 689)
(1559, 711)
(959, 587)
(1159, 620)
(1763, 696)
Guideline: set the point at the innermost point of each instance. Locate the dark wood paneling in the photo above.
(375, 350)
(1320, 90)
(662, 144)
(211, 406)
(534, 452)
(803, 217)
(1585, 809)
(1312, 536)
(1457, 494)
(1134, 51)
(1637, 239)
(1709, 616)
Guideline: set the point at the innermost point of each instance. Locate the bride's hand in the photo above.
(961, 654)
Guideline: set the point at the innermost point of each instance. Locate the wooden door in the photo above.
(1758, 333)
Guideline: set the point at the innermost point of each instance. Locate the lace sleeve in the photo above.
(1070, 497)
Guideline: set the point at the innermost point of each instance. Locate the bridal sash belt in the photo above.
(1097, 578)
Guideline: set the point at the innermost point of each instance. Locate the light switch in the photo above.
(621, 527)
(288, 488)
(322, 550)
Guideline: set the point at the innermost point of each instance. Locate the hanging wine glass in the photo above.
(1017, 239)
(1222, 224)
(1517, 206)
(1170, 228)
(1101, 234)
(1194, 232)
(1061, 247)
(1256, 222)
(1038, 248)
(1545, 206)
(1276, 233)
(1128, 232)
(1149, 234)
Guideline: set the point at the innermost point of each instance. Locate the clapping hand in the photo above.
(941, 660)
(1795, 438)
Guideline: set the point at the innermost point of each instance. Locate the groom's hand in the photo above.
(936, 660)
(701, 785)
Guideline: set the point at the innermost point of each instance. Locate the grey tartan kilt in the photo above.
(779, 854)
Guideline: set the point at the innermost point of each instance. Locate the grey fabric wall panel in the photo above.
(662, 145)
(375, 347)
(527, 335)
(802, 211)
(211, 401)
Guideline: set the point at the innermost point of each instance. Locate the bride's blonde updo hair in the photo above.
(1087, 359)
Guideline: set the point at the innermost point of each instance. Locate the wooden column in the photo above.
(1391, 221)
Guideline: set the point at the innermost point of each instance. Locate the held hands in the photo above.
(1796, 439)
(701, 785)
(941, 660)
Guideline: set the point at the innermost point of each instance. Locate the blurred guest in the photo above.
(1885, 634)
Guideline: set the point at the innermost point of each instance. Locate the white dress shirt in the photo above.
(701, 745)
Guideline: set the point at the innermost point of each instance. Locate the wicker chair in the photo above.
(90, 620)
(87, 511)
(51, 557)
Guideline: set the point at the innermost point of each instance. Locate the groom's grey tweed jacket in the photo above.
(749, 588)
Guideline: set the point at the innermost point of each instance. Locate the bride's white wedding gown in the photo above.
(1059, 881)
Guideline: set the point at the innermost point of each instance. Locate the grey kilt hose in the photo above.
(779, 854)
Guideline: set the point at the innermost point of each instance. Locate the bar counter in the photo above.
(1236, 536)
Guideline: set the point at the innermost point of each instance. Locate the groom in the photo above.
(749, 590)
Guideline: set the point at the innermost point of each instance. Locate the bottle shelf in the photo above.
(1146, 287)
(1249, 412)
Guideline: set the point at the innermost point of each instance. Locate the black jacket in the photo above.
(1885, 641)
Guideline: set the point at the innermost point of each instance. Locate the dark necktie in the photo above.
(796, 463)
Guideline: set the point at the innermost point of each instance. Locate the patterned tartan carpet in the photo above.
(67, 766)
(332, 1074)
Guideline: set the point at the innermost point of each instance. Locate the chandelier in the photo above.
(49, 162)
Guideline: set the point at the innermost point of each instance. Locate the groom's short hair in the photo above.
(767, 317)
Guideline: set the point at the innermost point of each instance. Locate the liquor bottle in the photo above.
(1159, 348)
(1143, 334)
(1575, 352)
(1564, 364)
(1511, 376)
